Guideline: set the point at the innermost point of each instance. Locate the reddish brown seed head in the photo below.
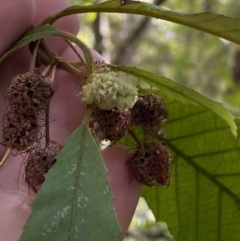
(150, 164)
(29, 93)
(19, 131)
(111, 124)
(149, 111)
(38, 164)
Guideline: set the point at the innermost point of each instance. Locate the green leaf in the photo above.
(30, 36)
(216, 24)
(47, 31)
(173, 90)
(75, 201)
(202, 201)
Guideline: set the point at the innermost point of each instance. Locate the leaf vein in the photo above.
(205, 173)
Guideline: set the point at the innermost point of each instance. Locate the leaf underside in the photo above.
(75, 198)
(202, 201)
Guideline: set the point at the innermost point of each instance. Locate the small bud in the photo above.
(107, 91)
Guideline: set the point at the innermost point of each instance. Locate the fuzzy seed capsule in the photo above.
(150, 164)
(38, 164)
(111, 124)
(149, 111)
(29, 93)
(19, 131)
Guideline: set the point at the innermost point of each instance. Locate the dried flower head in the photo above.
(111, 124)
(150, 164)
(149, 111)
(38, 164)
(107, 91)
(19, 131)
(29, 93)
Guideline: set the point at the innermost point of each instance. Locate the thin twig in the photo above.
(47, 128)
(76, 52)
(6, 154)
(47, 132)
(135, 137)
(34, 56)
(44, 72)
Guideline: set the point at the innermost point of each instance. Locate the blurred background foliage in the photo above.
(201, 61)
(206, 63)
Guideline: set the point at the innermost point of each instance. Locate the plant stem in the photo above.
(76, 52)
(63, 64)
(47, 129)
(34, 56)
(135, 137)
(47, 132)
(6, 154)
(83, 47)
(48, 55)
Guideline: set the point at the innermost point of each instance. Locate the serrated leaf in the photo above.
(216, 24)
(30, 36)
(75, 201)
(202, 201)
(173, 90)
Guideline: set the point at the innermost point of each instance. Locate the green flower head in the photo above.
(107, 91)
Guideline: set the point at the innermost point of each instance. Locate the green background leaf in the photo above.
(75, 201)
(216, 24)
(173, 90)
(202, 201)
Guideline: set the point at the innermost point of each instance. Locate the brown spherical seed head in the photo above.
(150, 164)
(29, 93)
(149, 111)
(111, 124)
(38, 164)
(19, 131)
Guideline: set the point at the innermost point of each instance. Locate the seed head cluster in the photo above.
(150, 163)
(117, 107)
